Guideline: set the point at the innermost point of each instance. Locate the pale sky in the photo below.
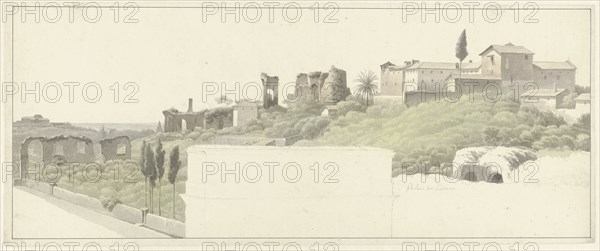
(171, 52)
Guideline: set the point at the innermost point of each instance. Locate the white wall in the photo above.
(273, 204)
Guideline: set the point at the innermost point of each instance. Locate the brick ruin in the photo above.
(60, 149)
(270, 90)
(73, 149)
(116, 148)
(174, 119)
(324, 87)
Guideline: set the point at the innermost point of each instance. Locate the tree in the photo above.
(150, 166)
(160, 168)
(461, 50)
(174, 165)
(143, 170)
(367, 87)
(584, 122)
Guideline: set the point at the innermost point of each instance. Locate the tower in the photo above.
(270, 90)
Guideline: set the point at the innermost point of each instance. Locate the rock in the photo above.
(489, 163)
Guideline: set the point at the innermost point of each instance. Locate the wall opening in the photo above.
(495, 178)
(35, 152)
(121, 149)
(58, 149)
(470, 176)
(80, 146)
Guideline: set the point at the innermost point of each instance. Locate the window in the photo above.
(492, 59)
(121, 149)
(58, 150)
(422, 71)
(441, 72)
(545, 77)
(431, 72)
(80, 147)
(557, 77)
(526, 57)
(506, 65)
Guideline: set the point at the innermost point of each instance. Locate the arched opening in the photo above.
(470, 176)
(35, 153)
(270, 95)
(495, 178)
(58, 155)
(80, 146)
(314, 89)
(183, 125)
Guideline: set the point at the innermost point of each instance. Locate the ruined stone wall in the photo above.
(74, 149)
(109, 148)
(325, 87)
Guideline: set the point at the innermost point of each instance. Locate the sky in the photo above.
(170, 53)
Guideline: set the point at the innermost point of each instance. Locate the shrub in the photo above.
(109, 203)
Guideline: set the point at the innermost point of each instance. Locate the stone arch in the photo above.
(109, 148)
(470, 176)
(46, 153)
(69, 150)
(184, 125)
(495, 178)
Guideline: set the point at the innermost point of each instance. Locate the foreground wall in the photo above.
(261, 191)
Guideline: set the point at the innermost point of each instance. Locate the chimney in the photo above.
(407, 63)
(414, 61)
(190, 105)
(470, 61)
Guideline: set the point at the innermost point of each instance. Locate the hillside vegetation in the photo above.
(431, 133)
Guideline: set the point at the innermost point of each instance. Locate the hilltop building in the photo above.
(39, 120)
(243, 112)
(500, 64)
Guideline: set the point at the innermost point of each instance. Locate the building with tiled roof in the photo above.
(503, 65)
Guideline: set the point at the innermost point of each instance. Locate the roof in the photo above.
(507, 48)
(566, 65)
(433, 65)
(388, 63)
(544, 93)
(444, 65)
(397, 67)
(584, 97)
(471, 65)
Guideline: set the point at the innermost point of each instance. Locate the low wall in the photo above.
(262, 191)
(165, 225)
(38, 185)
(79, 199)
(127, 213)
(120, 211)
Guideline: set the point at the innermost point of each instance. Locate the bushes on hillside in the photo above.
(431, 133)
